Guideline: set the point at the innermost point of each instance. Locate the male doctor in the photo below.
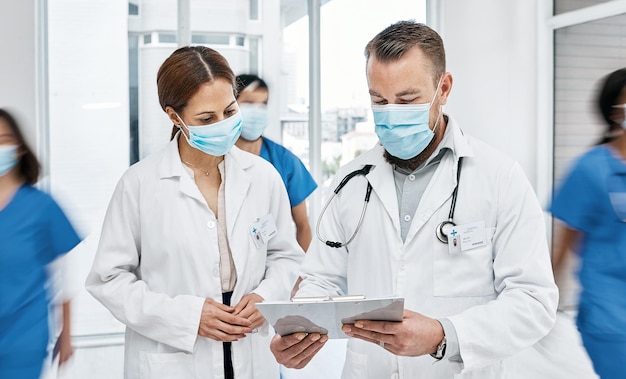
(452, 225)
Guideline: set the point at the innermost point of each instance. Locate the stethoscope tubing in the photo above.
(441, 234)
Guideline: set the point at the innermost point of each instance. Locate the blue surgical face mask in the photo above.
(403, 129)
(214, 139)
(254, 120)
(8, 158)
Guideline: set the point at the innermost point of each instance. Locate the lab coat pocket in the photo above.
(467, 273)
(165, 366)
(355, 366)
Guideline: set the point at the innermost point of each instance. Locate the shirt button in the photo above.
(407, 218)
(210, 224)
(216, 271)
(411, 177)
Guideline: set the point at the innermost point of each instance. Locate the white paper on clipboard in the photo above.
(326, 315)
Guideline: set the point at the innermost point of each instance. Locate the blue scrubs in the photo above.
(33, 232)
(297, 179)
(592, 200)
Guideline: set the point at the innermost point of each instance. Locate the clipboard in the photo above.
(326, 315)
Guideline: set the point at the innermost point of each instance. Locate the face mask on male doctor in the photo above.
(403, 129)
(214, 139)
(8, 158)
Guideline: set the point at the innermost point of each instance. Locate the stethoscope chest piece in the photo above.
(443, 230)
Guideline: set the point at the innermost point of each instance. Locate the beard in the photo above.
(413, 163)
(416, 161)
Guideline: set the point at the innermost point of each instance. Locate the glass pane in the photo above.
(167, 38)
(133, 95)
(254, 9)
(133, 9)
(254, 60)
(147, 39)
(207, 39)
(563, 6)
(583, 55)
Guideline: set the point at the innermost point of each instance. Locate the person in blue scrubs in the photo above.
(252, 97)
(34, 231)
(591, 204)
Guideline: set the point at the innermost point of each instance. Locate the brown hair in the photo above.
(183, 72)
(393, 42)
(612, 86)
(28, 165)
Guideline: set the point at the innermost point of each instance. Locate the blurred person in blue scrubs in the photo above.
(591, 207)
(253, 95)
(34, 231)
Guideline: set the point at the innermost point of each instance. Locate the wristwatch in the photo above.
(441, 349)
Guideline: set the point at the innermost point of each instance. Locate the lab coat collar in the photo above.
(236, 162)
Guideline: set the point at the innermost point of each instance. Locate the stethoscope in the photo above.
(442, 231)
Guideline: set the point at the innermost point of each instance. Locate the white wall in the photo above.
(491, 53)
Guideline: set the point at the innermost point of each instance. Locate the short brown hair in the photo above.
(183, 72)
(28, 165)
(395, 40)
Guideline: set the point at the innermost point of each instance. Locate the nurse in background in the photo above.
(253, 94)
(34, 231)
(195, 235)
(591, 204)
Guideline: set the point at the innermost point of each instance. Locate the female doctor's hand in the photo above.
(247, 308)
(219, 322)
(415, 335)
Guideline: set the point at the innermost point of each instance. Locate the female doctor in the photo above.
(195, 236)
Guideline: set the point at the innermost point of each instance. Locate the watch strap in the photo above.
(441, 349)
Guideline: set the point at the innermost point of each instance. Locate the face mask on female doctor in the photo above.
(214, 139)
(403, 129)
(8, 158)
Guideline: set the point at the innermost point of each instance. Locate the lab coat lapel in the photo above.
(236, 185)
(383, 184)
(439, 189)
(171, 166)
(437, 192)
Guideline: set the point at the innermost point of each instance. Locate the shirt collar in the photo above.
(447, 144)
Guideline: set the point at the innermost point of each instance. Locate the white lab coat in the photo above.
(500, 298)
(158, 260)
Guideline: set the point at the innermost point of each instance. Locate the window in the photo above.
(254, 54)
(133, 8)
(586, 48)
(346, 125)
(167, 38)
(254, 10)
(564, 6)
(210, 39)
